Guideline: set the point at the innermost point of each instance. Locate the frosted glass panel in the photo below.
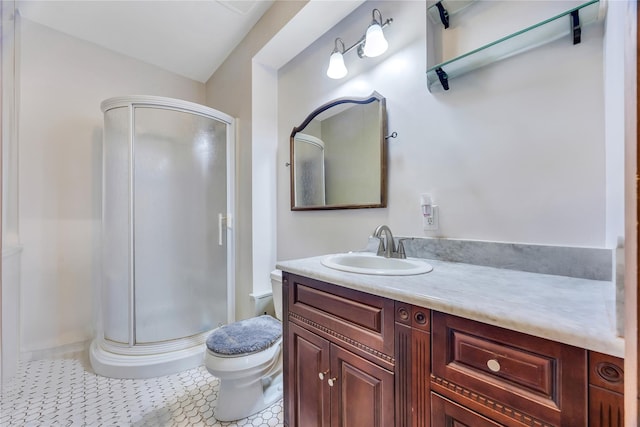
(309, 171)
(115, 238)
(179, 190)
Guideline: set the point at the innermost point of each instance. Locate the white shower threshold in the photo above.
(140, 366)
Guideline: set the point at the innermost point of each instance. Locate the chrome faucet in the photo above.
(387, 248)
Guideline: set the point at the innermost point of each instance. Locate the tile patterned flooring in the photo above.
(66, 392)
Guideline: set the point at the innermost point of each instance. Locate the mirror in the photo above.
(339, 156)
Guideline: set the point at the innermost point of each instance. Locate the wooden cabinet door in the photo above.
(361, 392)
(309, 402)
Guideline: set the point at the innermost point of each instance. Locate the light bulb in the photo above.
(375, 44)
(337, 69)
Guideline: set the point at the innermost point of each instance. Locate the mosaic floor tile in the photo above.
(65, 392)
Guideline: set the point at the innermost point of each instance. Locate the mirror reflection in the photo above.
(338, 156)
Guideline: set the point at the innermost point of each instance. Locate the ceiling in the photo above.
(187, 37)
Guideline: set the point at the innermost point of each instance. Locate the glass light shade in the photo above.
(336, 69)
(375, 44)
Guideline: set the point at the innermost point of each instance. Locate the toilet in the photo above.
(246, 356)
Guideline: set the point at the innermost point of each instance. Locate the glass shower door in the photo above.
(180, 247)
(309, 171)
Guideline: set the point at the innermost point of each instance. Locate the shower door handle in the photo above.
(225, 222)
(220, 219)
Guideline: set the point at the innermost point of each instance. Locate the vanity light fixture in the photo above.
(372, 44)
(337, 69)
(375, 44)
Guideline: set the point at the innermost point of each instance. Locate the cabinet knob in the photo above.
(322, 374)
(493, 365)
(332, 381)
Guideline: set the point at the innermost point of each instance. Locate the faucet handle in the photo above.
(400, 251)
(381, 248)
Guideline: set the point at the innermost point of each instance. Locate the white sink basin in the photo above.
(369, 263)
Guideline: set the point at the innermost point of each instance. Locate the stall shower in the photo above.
(167, 241)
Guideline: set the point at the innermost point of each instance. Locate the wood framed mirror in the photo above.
(339, 156)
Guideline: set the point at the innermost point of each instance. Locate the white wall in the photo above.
(615, 118)
(230, 89)
(513, 152)
(63, 81)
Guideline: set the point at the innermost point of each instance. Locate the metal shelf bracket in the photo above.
(575, 26)
(444, 15)
(443, 77)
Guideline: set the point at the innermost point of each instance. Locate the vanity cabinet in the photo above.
(357, 359)
(339, 364)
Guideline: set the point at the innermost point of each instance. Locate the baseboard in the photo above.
(77, 349)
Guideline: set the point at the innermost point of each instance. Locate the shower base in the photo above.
(147, 361)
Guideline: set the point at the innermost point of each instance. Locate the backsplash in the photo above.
(584, 263)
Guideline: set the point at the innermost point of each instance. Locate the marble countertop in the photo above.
(573, 311)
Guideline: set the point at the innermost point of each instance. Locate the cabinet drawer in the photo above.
(358, 319)
(501, 363)
(446, 413)
(496, 370)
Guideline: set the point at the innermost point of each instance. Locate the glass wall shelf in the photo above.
(562, 25)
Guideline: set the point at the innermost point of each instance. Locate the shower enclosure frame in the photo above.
(134, 360)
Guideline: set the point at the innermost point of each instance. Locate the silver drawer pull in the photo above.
(332, 381)
(322, 374)
(493, 365)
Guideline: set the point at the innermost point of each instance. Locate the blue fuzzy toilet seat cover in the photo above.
(245, 336)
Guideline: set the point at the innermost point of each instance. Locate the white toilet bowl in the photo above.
(246, 357)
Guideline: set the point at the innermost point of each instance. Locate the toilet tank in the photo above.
(276, 287)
